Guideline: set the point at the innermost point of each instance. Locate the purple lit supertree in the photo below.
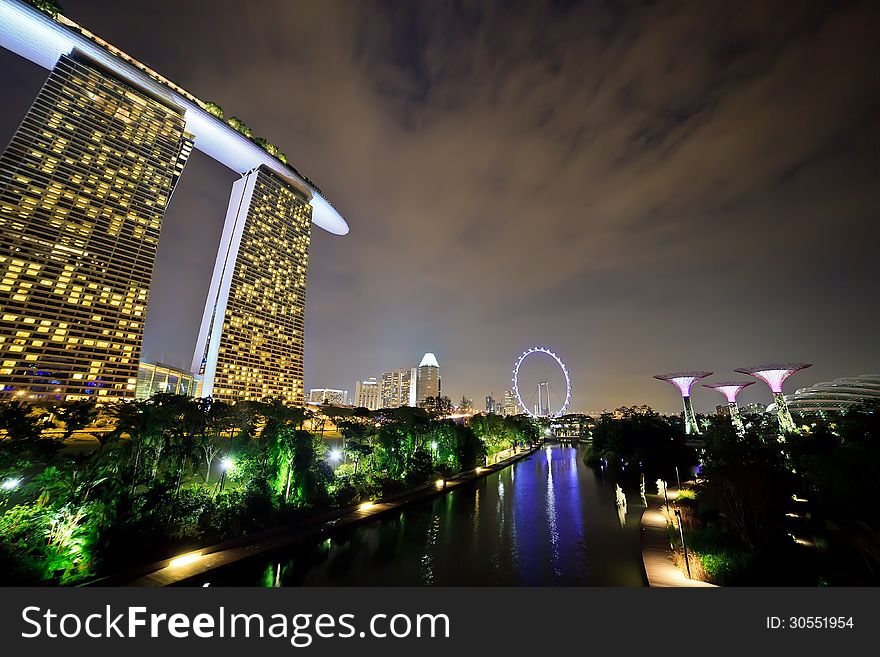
(684, 381)
(774, 375)
(730, 389)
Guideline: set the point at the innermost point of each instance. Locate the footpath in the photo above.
(656, 552)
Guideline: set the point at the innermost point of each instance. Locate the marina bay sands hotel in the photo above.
(84, 185)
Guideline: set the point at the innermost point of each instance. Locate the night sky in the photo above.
(642, 187)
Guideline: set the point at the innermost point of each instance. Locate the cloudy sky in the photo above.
(642, 187)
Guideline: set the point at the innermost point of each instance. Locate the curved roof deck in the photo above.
(42, 40)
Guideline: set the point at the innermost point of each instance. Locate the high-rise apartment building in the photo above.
(250, 344)
(491, 404)
(428, 384)
(83, 188)
(367, 394)
(399, 388)
(328, 396)
(510, 405)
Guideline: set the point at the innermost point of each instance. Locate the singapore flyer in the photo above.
(541, 383)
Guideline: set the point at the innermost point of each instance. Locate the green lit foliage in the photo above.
(48, 7)
(498, 433)
(238, 125)
(214, 110)
(656, 442)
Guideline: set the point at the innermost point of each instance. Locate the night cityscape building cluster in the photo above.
(84, 185)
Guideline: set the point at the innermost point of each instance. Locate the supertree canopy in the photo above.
(774, 375)
(730, 389)
(684, 381)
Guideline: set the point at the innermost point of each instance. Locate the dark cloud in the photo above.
(642, 186)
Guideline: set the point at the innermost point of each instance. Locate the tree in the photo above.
(48, 7)
(76, 415)
(22, 421)
(746, 481)
(214, 109)
(438, 406)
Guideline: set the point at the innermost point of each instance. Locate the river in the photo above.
(547, 520)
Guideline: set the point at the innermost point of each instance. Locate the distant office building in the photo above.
(399, 388)
(328, 396)
(83, 188)
(428, 384)
(511, 405)
(491, 404)
(722, 409)
(754, 408)
(367, 394)
(156, 378)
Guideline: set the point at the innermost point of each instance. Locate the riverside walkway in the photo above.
(660, 569)
(184, 567)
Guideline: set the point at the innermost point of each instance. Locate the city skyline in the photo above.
(678, 162)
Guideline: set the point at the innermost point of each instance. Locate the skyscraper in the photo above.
(250, 343)
(491, 404)
(367, 394)
(399, 388)
(511, 406)
(428, 382)
(83, 188)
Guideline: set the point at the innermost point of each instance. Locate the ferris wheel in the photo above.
(545, 389)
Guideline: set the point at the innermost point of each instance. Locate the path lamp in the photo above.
(666, 497)
(335, 455)
(684, 546)
(678, 478)
(11, 484)
(225, 466)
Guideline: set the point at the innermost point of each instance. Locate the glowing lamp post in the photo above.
(730, 389)
(225, 466)
(774, 375)
(684, 381)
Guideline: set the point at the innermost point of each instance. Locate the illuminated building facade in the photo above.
(156, 378)
(428, 381)
(328, 396)
(83, 188)
(730, 389)
(833, 397)
(367, 394)
(510, 405)
(399, 388)
(774, 376)
(250, 344)
(684, 381)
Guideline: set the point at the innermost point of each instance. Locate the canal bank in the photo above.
(183, 568)
(547, 520)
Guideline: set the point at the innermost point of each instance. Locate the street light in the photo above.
(335, 455)
(225, 465)
(11, 484)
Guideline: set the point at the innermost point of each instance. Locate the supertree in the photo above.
(774, 375)
(730, 389)
(683, 381)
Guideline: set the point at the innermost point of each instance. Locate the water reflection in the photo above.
(546, 520)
